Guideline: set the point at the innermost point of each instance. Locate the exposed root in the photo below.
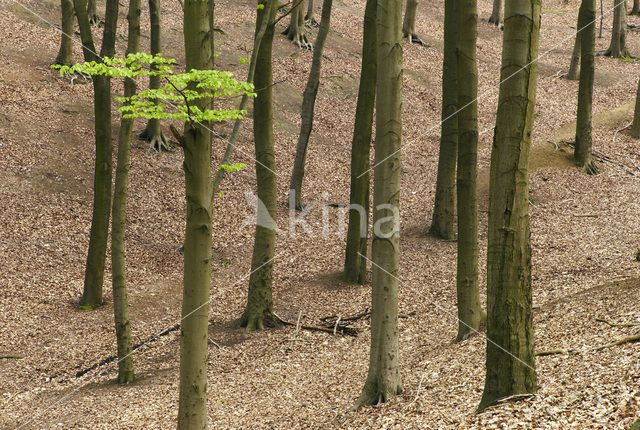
(494, 20)
(298, 38)
(414, 38)
(591, 168)
(95, 21)
(311, 23)
(157, 142)
(258, 321)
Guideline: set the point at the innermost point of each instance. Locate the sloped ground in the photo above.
(583, 266)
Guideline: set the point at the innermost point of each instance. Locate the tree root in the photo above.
(493, 20)
(311, 23)
(298, 38)
(414, 38)
(258, 321)
(157, 142)
(591, 168)
(95, 21)
(622, 341)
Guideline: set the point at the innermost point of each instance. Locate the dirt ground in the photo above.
(585, 234)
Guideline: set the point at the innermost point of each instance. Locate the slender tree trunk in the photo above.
(469, 310)
(65, 54)
(153, 131)
(510, 351)
(88, 47)
(192, 411)
(259, 310)
(409, 22)
(635, 128)
(618, 45)
(94, 273)
(119, 218)
(296, 31)
(92, 12)
(636, 8)
(308, 105)
(383, 380)
(582, 152)
(310, 17)
(574, 69)
(495, 12)
(444, 204)
(355, 264)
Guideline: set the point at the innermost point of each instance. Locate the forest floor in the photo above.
(585, 234)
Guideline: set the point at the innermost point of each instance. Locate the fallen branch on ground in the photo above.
(617, 325)
(343, 329)
(628, 339)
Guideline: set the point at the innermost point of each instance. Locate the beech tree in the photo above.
(65, 54)
(355, 264)
(308, 106)
(469, 310)
(495, 12)
(409, 23)
(92, 12)
(153, 131)
(635, 10)
(444, 203)
(586, 22)
(296, 31)
(310, 18)
(635, 127)
(510, 361)
(574, 69)
(383, 380)
(618, 45)
(94, 272)
(259, 310)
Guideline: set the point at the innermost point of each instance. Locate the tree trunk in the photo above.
(153, 131)
(65, 54)
(409, 22)
(635, 128)
(574, 70)
(259, 310)
(510, 360)
(192, 411)
(618, 45)
(355, 263)
(495, 13)
(308, 105)
(94, 273)
(119, 218)
(636, 8)
(310, 18)
(383, 380)
(582, 152)
(92, 12)
(444, 204)
(469, 310)
(296, 31)
(88, 48)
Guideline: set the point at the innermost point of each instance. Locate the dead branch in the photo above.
(628, 339)
(585, 215)
(617, 325)
(342, 329)
(11, 357)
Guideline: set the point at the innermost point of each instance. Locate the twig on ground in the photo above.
(585, 215)
(620, 129)
(622, 341)
(617, 325)
(11, 357)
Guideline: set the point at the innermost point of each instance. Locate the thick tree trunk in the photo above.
(119, 218)
(259, 310)
(355, 264)
(510, 360)
(495, 12)
(192, 410)
(574, 69)
(92, 12)
(383, 380)
(308, 105)
(582, 152)
(635, 128)
(444, 204)
(94, 273)
(153, 131)
(296, 31)
(65, 54)
(469, 310)
(618, 45)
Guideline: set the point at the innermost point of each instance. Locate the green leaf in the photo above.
(232, 167)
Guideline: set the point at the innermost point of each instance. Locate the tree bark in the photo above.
(153, 131)
(582, 151)
(259, 310)
(308, 106)
(444, 204)
(383, 380)
(88, 47)
(119, 218)
(192, 410)
(574, 69)
(510, 361)
(409, 22)
(355, 264)
(636, 8)
(65, 54)
(495, 12)
(92, 12)
(94, 273)
(618, 45)
(468, 293)
(635, 128)
(310, 17)
(296, 30)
